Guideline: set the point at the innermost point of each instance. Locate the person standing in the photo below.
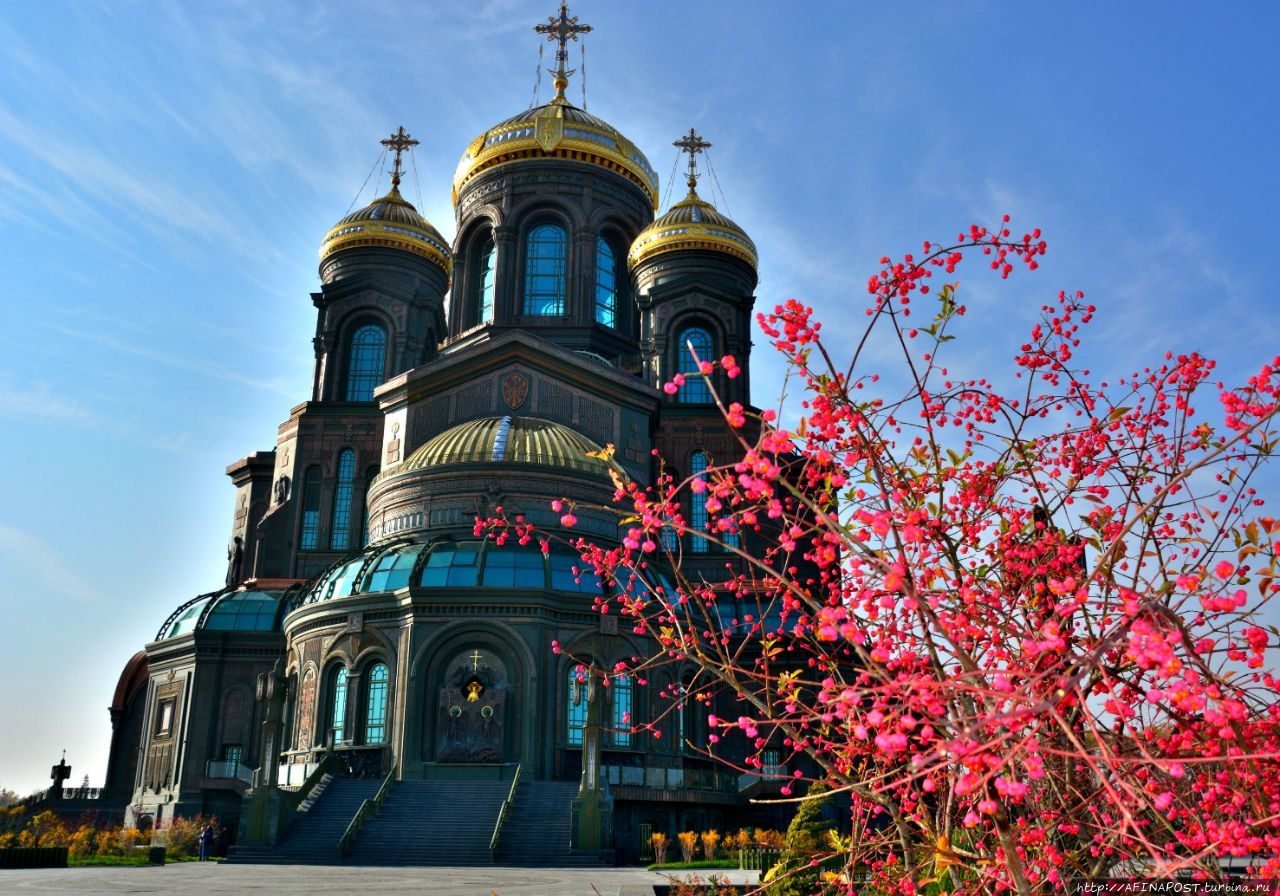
(206, 842)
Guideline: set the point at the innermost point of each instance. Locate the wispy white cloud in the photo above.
(29, 561)
(39, 403)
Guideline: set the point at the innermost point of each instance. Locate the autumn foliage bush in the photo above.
(1010, 619)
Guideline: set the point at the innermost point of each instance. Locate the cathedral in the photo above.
(366, 639)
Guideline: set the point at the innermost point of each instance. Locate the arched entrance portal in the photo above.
(472, 704)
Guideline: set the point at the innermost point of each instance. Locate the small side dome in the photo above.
(692, 224)
(523, 440)
(390, 221)
(557, 130)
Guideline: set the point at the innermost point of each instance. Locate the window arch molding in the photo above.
(365, 356)
(479, 243)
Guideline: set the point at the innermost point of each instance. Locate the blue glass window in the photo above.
(310, 539)
(620, 729)
(694, 340)
(514, 569)
(392, 569)
(338, 712)
(452, 565)
(606, 284)
(698, 516)
(375, 720)
(569, 573)
(544, 279)
(488, 259)
(340, 540)
(365, 365)
(577, 709)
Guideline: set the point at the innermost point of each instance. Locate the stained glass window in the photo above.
(544, 279)
(375, 723)
(365, 365)
(694, 341)
(338, 711)
(606, 284)
(340, 540)
(310, 539)
(698, 516)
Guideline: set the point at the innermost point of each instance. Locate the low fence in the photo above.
(34, 857)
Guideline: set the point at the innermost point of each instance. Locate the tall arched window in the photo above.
(338, 706)
(694, 341)
(606, 284)
(576, 712)
(365, 363)
(698, 505)
(544, 277)
(375, 718)
(310, 537)
(621, 718)
(340, 539)
(485, 282)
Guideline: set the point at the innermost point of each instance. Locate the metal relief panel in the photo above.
(597, 422)
(476, 397)
(554, 403)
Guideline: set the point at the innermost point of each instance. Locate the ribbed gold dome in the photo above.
(525, 440)
(389, 221)
(692, 224)
(557, 130)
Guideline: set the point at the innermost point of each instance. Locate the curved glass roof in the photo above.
(226, 611)
(473, 563)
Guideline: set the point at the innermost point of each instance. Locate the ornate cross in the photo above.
(692, 144)
(562, 30)
(398, 143)
(475, 661)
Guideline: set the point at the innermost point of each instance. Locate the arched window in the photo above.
(365, 363)
(340, 540)
(694, 341)
(310, 538)
(375, 718)
(544, 277)
(606, 284)
(485, 282)
(338, 706)
(576, 713)
(621, 718)
(698, 505)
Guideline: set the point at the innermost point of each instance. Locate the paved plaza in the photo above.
(215, 879)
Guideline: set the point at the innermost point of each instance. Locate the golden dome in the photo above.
(390, 221)
(523, 440)
(692, 224)
(557, 130)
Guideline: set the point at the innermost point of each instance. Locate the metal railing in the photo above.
(367, 810)
(228, 769)
(502, 815)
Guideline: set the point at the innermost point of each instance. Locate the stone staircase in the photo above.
(538, 828)
(313, 837)
(432, 823)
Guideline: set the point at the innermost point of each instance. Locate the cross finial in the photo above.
(692, 144)
(562, 30)
(398, 143)
(475, 661)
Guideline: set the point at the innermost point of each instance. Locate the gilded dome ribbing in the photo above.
(557, 130)
(692, 224)
(389, 221)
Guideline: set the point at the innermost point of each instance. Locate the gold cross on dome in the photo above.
(398, 143)
(562, 30)
(475, 661)
(692, 144)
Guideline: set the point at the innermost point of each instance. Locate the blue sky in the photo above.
(167, 171)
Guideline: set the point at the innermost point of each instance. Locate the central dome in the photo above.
(557, 130)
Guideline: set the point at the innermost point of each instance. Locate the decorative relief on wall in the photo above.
(554, 402)
(597, 421)
(306, 709)
(235, 713)
(515, 389)
(476, 397)
(471, 709)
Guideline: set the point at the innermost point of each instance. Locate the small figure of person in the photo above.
(206, 842)
(235, 557)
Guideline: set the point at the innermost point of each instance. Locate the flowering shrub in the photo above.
(688, 842)
(1013, 627)
(710, 840)
(660, 843)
